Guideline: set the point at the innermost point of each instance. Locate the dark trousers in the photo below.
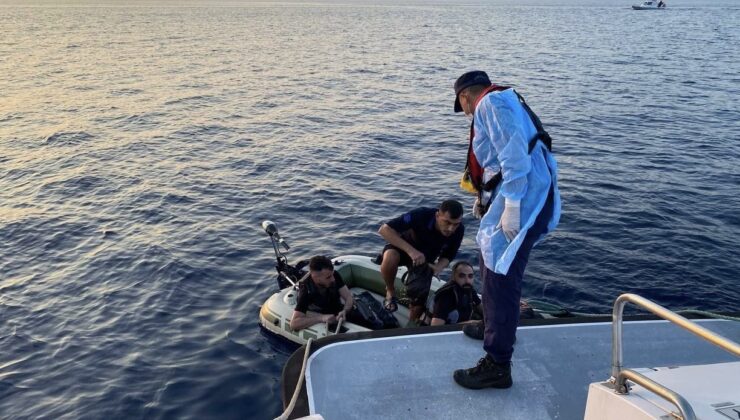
(502, 293)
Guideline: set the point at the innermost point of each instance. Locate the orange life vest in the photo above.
(472, 180)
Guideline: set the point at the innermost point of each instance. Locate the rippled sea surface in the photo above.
(141, 147)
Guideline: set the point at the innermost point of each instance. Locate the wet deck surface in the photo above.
(411, 376)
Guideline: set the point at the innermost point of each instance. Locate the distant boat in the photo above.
(650, 5)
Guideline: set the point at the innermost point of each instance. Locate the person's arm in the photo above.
(505, 125)
(392, 237)
(302, 317)
(437, 321)
(349, 301)
(477, 304)
(449, 250)
(441, 309)
(300, 320)
(440, 265)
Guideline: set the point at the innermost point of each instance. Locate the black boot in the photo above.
(487, 374)
(474, 330)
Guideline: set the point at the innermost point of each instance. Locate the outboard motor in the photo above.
(288, 275)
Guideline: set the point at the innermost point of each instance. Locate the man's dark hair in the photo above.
(451, 207)
(319, 263)
(459, 264)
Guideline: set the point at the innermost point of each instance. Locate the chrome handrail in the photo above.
(687, 412)
(620, 375)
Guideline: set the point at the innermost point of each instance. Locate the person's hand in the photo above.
(329, 318)
(436, 269)
(417, 258)
(342, 315)
(510, 219)
(477, 208)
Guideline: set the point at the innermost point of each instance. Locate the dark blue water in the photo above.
(140, 148)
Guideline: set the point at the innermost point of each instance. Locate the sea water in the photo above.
(142, 144)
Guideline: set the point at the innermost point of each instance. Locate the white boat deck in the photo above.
(410, 376)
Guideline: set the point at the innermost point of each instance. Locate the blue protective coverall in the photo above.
(502, 131)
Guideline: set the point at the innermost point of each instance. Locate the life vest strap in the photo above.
(474, 172)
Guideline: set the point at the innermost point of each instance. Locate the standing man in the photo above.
(511, 169)
(416, 239)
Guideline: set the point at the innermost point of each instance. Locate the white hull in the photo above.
(639, 7)
(560, 371)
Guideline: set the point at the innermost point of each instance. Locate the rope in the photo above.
(587, 315)
(339, 327)
(551, 309)
(709, 314)
(289, 410)
(557, 311)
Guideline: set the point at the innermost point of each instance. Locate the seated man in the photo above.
(319, 296)
(455, 301)
(420, 237)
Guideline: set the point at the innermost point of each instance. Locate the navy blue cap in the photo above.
(471, 78)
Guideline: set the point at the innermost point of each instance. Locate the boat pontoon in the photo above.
(360, 273)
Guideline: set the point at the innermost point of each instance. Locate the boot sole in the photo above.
(496, 386)
(504, 385)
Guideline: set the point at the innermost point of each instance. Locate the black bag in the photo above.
(418, 281)
(371, 314)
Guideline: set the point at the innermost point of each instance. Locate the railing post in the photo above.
(620, 375)
(617, 314)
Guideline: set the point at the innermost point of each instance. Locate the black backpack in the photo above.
(372, 314)
(418, 280)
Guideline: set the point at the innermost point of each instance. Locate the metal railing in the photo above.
(621, 375)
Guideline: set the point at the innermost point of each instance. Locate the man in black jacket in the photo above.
(423, 236)
(456, 301)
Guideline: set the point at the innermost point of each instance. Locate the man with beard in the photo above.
(456, 301)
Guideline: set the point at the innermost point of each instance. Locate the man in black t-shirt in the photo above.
(455, 301)
(320, 296)
(421, 236)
